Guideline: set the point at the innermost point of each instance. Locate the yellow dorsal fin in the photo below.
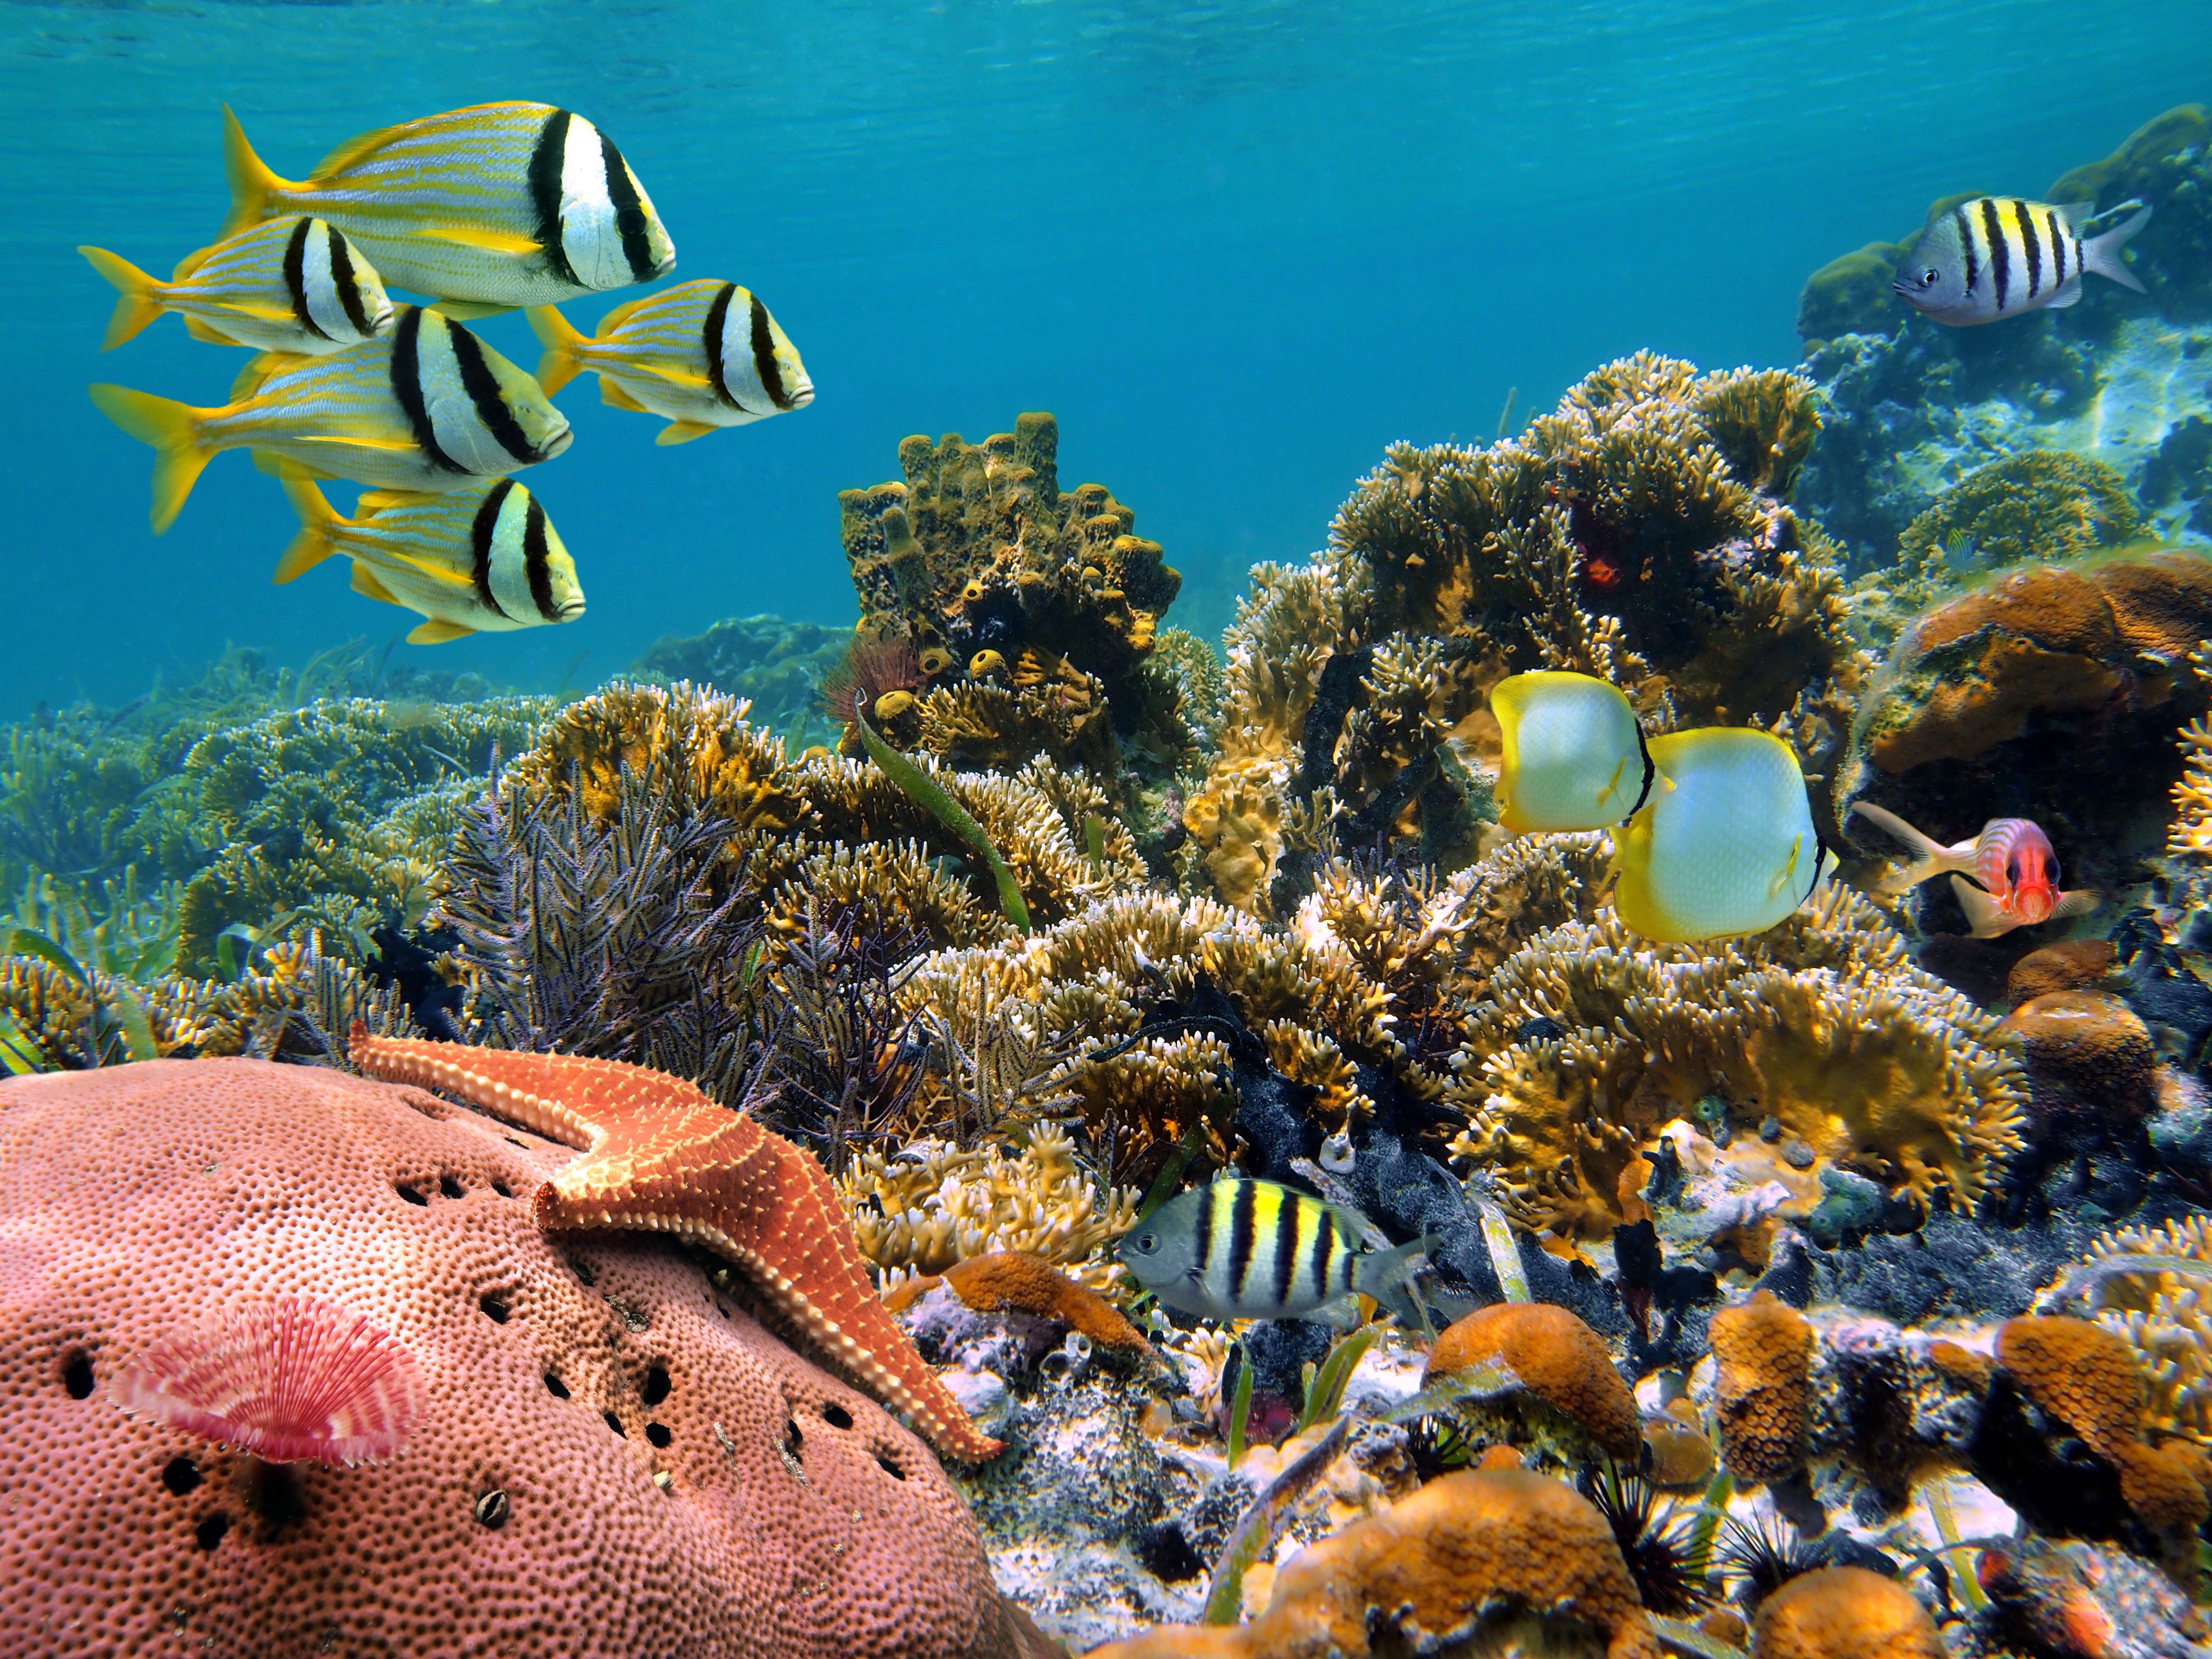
(612, 393)
(620, 314)
(436, 632)
(683, 432)
(255, 374)
(193, 261)
(351, 151)
(364, 581)
(373, 502)
(491, 241)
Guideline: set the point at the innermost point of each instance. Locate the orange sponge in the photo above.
(1763, 1360)
(1843, 1613)
(1558, 1358)
(1029, 1284)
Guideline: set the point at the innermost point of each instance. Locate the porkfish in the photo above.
(1725, 847)
(484, 559)
(487, 208)
(427, 408)
(292, 285)
(1574, 757)
(702, 355)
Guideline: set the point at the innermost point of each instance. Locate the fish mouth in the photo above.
(802, 394)
(554, 445)
(570, 611)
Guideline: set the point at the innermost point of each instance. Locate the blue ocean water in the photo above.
(1237, 248)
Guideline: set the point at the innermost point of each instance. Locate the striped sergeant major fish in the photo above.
(487, 208)
(427, 408)
(1991, 257)
(482, 559)
(1239, 1248)
(703, 354)
(290, 285)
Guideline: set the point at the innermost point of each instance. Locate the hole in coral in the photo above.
(512, 1142)
(722, 1310)
(492, 1510)
(409, 1192)
(502, 1188)
(495, 1307)
(656, 1384)
(615, 1423)
(274, 1494)
(556, 1387)
(583, 1269)
(76, 1375)
(836, 1416)
(884, 1463)
(657, 1433)
(210, 1531)
(180, 1475)
(451, 1187)
(792, 1440)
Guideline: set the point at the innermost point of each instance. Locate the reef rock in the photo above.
(611, 1459)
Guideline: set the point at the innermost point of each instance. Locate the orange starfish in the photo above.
(658, 1153)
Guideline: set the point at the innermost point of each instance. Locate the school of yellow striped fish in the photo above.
(480, 212)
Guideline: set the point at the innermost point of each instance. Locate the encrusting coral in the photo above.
(1844, 1613)
(1637, 534)
(1559, 1364)
(1763, 1357)
(1591, 1039)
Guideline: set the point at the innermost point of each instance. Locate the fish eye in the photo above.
(1927, 276)
(1147, 1244)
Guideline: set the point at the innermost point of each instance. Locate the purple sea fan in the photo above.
(292, 1379)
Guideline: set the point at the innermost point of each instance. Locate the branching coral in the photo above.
(1591, 1039)
(1637, 534)
(2042, 505)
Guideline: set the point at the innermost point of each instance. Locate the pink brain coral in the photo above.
(608, 1459)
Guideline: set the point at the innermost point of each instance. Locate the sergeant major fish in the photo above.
(491, 207)
(428, 407)
(1993, 256)
(478, 559)
(704, 355)
(2012, 858)
(1239, 1248)
(292, 285)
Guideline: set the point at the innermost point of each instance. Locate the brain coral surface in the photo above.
(565, 1376)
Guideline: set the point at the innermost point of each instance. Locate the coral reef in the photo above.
(647, 1463)
(1637, 534)
(2156, 1310)
(2042, 505)
(1559, 1364)
(1763, 1354)
(776, 665)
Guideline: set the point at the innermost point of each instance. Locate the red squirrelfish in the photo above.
(2012, 860)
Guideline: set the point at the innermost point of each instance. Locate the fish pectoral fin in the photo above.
(365, 582)
(1613, 782)
(1983, 914)
(397, 445)
(1788, 867)
(489, 241)
(436, 573)
(469, 311)
(207, 333)
(677, 377)
(2069, 294)
(2078, 903)
(612, 394)
(436, 632)
(262, 313)
(683, 432)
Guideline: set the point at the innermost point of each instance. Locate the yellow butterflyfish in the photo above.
(1725, 847)
(1574, 756)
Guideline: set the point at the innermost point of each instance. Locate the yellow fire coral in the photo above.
(1591, 1039)
(1481, 1561)
(931, 1206)
(1762, 1386)
(1558, 1361)
(2188, 834)
(1844, 1613)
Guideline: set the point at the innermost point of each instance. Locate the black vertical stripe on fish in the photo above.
(547, 163)
(295, 277)
(1966, 246)
(347, 284)
(533, 562)
(407, 388)
(1242, 1206)
(1286, 1248)
(630, 212)
(1205, 1232)
(2032, 242)
(484, 537)
(764, 364)
(2061, 234)
(717, 317)
(1322, 1234)
(483, 388)
(2000, 254)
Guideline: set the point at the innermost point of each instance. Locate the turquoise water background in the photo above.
(1237, 248)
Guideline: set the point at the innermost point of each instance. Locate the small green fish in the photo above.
(1995, 256)
(290, 285)
(1239, 1248)
(491, 207)
(483, 560)
(427, 408)
(704, 355)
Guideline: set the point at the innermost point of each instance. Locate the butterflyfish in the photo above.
(702, 355)
(291, 285)
(1725, 847)
(484, 559)
(2012, 860)
(1574, 757)
(427, 408)
(1995, 256)
(487, 208)
(1239, 1248)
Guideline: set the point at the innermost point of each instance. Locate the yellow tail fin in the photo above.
(174, 430)
(253, 188)
(318, 519)
(560, 364)
(138, 306)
